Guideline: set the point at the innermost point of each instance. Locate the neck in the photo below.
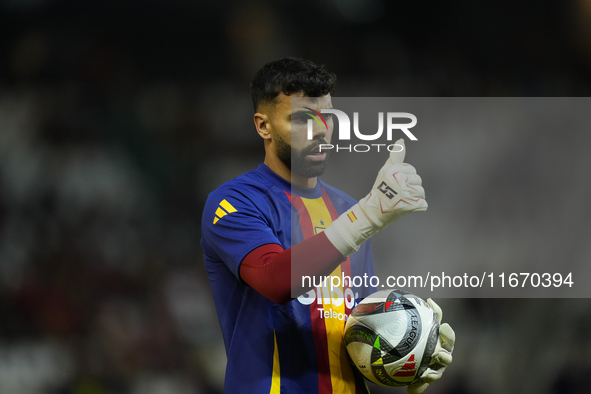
(284, 172)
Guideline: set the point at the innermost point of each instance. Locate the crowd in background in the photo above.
(118, 118)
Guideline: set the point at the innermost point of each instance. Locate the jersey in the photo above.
(271, 348)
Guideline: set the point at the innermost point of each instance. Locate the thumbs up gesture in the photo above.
(397, 191)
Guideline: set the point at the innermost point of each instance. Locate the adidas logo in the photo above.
(220, 213)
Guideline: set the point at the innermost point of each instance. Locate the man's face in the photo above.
(290, 133)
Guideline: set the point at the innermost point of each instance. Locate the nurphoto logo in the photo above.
(392, 125)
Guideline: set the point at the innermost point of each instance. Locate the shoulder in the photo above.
(248, 187)
(236, 219)
(245, 195)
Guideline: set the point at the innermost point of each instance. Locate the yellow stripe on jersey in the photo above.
(341, 375)
(318, 213)
(276, 377)
(227, 206)
(220, 213)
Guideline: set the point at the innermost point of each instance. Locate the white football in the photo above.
(390, 337)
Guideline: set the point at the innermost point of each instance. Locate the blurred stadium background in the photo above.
(118, 117)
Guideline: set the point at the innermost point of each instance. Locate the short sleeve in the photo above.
(233, 225)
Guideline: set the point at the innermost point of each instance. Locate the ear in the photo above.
(261, 122)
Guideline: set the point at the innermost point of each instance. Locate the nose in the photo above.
(315, 131)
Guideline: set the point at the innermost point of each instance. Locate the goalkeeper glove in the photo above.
(396, 192)
(441, 357)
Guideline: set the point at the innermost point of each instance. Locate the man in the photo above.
(267, 229)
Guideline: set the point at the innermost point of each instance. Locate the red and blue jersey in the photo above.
(296, 347)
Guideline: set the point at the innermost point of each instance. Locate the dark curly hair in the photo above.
(290, 75)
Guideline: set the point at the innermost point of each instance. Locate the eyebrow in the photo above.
(297, 113)
(304, 112)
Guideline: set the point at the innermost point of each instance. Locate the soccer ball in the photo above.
(390, 337)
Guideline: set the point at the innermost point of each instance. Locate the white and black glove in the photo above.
(442, 356)
(396, 192)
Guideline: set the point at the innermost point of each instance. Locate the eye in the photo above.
(327, 117)
(300, 117)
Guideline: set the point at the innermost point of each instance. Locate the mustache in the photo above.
(315, 146)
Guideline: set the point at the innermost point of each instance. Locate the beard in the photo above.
(298, 161)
